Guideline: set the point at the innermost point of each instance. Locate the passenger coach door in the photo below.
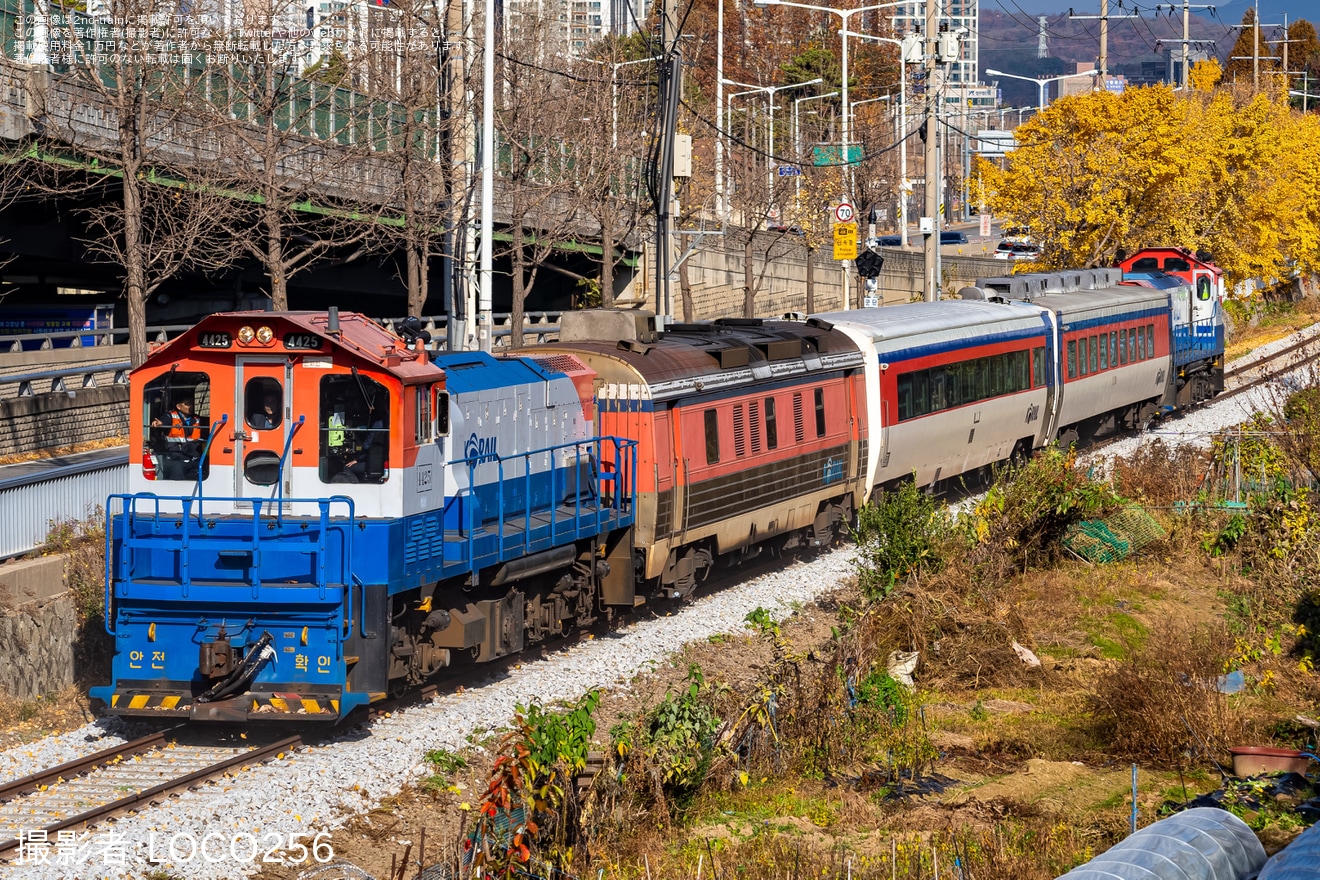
(263, 391)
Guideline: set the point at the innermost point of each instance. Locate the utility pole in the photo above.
(462, 238)
(671, 68)
(930, 222)
(484, 334)
(1255, 50)
(721, 212)
(1103, 18)
(1187, 8)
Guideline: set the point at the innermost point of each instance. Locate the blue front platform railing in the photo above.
(1197, 341)
(148, 545)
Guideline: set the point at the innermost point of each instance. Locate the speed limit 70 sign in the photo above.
(844, 212)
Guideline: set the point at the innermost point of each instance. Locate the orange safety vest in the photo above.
(183, 429)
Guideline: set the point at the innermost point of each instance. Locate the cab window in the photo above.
(176, 416)
(263, 401)
(355, 430)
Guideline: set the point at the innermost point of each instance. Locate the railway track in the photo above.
(132, 776)
(1251, 375)
(113, 781)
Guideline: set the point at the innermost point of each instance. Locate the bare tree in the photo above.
(162, 162)
(418, 146)
(539, 129)
(617, 90)
(307, 148)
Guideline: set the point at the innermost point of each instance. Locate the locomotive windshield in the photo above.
(176, 416)
(355, 430)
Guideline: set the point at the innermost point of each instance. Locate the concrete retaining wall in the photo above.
(37, 641)
(715, 272)
(52, 420)
(38, 628)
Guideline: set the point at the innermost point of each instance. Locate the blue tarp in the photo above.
(1300, 860)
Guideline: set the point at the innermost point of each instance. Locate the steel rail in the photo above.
(129, 801)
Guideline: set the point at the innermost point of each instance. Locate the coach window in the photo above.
(1141, 343)
(1104, 353)
(771, 429)
(176, 420)
(1081, 356)
(1037, 367)
(1132, 344)
(1113, 348)
(820, 412)
(1095, 355)
(1150, 339)
(712, 436)
(1122, 346)
(1072, 359)
(355, 430)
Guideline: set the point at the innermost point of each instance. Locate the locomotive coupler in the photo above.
(215, 659)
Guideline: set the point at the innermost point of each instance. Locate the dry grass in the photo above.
(22, 720)
(1272, 325)
(84, 446)
(1160, 474)
(1160, 704)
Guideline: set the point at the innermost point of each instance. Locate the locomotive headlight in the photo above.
(265, 335)
(246, 335)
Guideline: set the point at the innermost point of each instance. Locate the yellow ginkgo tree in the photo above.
(1233, 172)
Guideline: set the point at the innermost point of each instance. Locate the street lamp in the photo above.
(1041, 82)
(903, 47)
(770, 92)
(1304, 96)
(844, 15)
(614, 91)
(797, 141)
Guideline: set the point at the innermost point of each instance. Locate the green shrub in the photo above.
(882, 691)
(673, 742)
(900, 535)
(1020, 520)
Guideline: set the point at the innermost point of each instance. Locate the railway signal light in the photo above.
(869, 264)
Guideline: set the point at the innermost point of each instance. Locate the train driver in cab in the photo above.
(183, 441)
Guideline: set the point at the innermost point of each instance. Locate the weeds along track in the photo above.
(128, 776)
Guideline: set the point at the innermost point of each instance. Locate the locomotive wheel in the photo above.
(397, 687)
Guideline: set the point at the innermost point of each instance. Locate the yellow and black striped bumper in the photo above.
(252, 706)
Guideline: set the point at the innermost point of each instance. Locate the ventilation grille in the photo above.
(739, 431)
(558, 363)
(754, 412)
(797, 417)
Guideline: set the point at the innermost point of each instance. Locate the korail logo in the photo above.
(480, 447)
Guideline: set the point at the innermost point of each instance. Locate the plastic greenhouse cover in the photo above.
(1198, 844)
(1300, 860)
